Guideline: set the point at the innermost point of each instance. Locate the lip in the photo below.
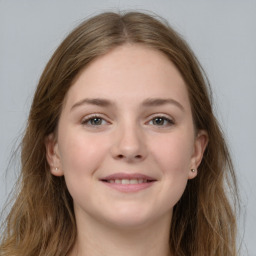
(128, 176)
(128, 188)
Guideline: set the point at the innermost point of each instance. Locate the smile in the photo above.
(128, 182)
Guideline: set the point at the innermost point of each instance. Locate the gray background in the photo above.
(221, 33)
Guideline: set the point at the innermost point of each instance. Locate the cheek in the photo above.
(80, 153)
(173, 153)
(81, 156)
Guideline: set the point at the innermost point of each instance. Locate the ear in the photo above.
(200, 144)
(52, 155)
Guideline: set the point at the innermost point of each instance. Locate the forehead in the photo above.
(130, 71)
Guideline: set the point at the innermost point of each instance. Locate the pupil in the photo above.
(159, 121)
(96, 121)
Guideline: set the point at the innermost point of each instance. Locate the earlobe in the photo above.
(52, 155)
(192, 173)
(200, 145)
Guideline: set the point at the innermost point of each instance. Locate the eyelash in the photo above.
(91, 118)
(166, 121)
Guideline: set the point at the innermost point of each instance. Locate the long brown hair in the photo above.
(42, 221)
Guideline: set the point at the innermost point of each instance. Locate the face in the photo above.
(125, 142)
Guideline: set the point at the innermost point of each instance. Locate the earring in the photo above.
(193, 170)
(56, 169)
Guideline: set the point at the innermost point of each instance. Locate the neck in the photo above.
(97, 239)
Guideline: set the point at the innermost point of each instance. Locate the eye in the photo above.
(161, 121)
(94, 121)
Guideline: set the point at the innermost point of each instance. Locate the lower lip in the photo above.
(129, 188)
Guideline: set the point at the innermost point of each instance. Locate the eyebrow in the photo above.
(150, 102)
(96, 102)
(154, 102)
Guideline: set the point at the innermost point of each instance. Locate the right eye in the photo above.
(94, 121)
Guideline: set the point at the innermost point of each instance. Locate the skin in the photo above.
(132, 133)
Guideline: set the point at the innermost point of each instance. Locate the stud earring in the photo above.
(56, 169)
(193, 170)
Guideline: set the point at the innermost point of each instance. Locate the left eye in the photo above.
(161, 121)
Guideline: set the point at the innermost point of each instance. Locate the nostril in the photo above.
(120, 156)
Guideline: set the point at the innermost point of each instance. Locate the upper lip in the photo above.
(128, 176)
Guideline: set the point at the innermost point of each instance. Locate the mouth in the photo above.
(128, 182)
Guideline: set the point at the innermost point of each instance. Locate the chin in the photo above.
(127, 218)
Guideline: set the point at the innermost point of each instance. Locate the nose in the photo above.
(129, 144)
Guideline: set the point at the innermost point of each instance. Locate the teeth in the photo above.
(127, 181)
(134, 181)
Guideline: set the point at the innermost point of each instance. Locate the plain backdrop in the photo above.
(221, 33)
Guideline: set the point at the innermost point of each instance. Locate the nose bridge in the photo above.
(129, 140)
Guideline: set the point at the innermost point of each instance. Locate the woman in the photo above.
(122, 154)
